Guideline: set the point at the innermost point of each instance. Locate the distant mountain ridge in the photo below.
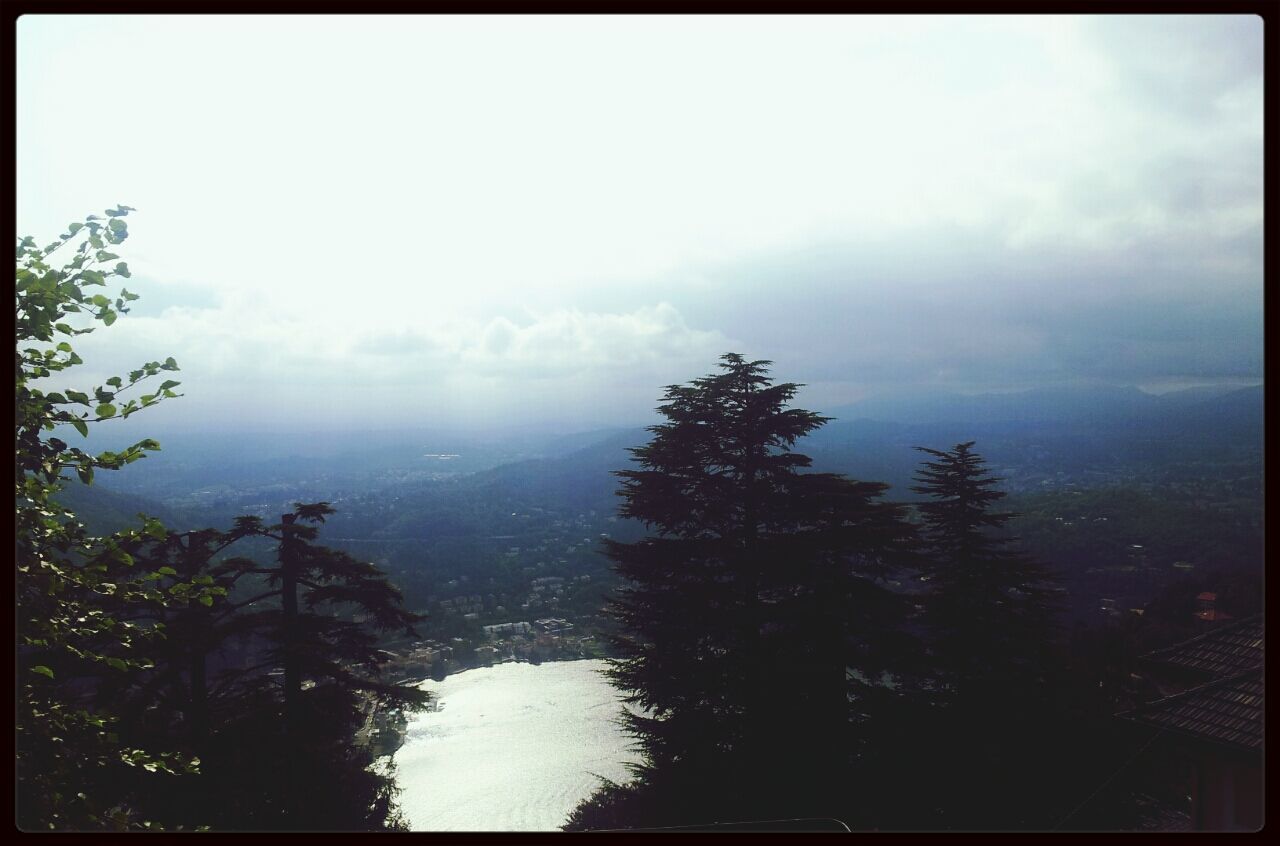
(1093, 437)
(1047, 437)
(1042, 405)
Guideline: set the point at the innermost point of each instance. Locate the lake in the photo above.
(513, 748)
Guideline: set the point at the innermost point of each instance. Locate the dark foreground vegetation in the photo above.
(163, 683)
(775, 672)
(794, 645)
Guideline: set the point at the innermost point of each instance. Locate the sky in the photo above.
(496, 222)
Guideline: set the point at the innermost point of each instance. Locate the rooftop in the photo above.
(1227, 710)
(1225, 651)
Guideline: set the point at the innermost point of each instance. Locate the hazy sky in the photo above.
(369, 221)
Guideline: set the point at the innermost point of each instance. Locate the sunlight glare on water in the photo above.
(513, 748)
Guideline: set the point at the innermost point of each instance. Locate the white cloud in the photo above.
(570, 341)
(492, 210)
(239, 356)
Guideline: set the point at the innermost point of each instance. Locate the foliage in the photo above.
(990, 612)
(743, 609)
(69, 583)
(118, 723)
(276, 751)
(990, 605)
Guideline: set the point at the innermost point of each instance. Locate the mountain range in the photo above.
(1034, 439)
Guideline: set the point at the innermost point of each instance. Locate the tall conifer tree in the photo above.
(745, 608)
(991, 606)
(291, 746)
(990, 613)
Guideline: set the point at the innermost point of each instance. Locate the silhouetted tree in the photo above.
(745, 611)
(990, 611)
(269, 686)
(990, 605)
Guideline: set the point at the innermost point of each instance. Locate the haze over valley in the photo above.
(641, 422)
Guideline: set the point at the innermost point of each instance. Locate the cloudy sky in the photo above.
(392, 221)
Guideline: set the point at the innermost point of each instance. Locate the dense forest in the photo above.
(913, 617)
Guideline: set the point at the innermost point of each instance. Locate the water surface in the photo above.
(513, 748)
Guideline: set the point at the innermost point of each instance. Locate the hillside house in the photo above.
(1209, 718)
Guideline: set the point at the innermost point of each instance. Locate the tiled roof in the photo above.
(1225, 651)
(1226, 710)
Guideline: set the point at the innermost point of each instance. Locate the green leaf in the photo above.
(116, 663)
(85, 472)
(115, 382)
(122, 269)
(206, 600)
(168, 383)
(80, 427)
(42, 670)
(116, 225)
(109, 317)
(77, 396)
(167, 571)
(105, 410)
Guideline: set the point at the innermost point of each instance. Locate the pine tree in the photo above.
(116, 702)
(745, 608)
(990, 611)
(276, 753)
(991, 606)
